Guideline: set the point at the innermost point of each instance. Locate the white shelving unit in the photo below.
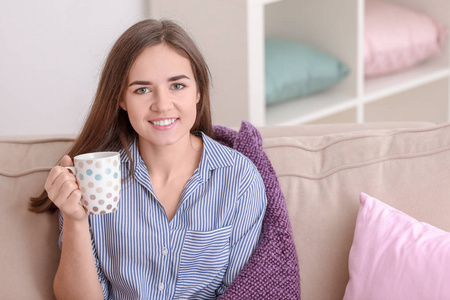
(231, 35)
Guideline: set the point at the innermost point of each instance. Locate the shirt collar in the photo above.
(134, 151)
(214, 156)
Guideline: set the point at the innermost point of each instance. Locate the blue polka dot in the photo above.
(89, 172)
(108, 171)
(115, 175)
(81, 177)
(98, 177)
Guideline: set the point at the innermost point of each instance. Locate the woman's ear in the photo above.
(123, 105)
(198, 98)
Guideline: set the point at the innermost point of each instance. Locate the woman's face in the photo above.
(161, 96)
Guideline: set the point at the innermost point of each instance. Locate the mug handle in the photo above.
(74, 171)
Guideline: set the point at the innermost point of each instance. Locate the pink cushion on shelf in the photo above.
(394, 256)
(397, 37)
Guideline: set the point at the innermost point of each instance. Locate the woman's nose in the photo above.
(161, 101)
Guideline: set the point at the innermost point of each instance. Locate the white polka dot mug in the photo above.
(98, 177)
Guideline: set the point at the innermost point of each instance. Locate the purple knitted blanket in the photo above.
(272, 272)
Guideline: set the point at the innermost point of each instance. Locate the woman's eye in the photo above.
(177, 86)
(142, 90)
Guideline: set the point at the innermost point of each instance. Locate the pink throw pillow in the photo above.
(394, 256)
(397, 37)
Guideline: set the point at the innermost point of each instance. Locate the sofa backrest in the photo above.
(29, 253)
(322, 178)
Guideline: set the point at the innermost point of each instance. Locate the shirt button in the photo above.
(165, 252)
(161, 287)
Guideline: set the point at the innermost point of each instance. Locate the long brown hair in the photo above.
(107, 126)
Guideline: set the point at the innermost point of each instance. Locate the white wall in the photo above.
(51, 55)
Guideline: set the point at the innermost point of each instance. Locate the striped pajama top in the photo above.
(139, 254)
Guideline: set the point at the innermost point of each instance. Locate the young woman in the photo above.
(191, 210)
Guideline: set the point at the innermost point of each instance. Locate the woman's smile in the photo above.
(164, 124)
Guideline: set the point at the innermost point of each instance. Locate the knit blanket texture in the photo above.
(272, 271)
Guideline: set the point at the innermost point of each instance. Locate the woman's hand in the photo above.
(63, 191)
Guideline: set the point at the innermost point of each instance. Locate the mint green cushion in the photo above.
(294, 70)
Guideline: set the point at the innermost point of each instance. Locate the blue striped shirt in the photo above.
(141, 255)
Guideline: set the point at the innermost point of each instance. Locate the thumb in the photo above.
(66, 161)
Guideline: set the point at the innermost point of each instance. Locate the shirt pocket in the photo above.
(204, 260)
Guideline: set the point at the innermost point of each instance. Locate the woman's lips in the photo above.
(164, 124)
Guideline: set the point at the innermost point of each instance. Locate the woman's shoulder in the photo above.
(236, 165)
(226, 153)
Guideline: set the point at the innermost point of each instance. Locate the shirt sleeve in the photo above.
(101, 276)
(247, 225)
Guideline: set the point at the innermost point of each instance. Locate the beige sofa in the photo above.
(322, 169)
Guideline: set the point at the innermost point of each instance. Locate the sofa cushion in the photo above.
(394, 256)
(29, 254)
(323, 176)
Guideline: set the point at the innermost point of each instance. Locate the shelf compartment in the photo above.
(315, 23)
(344, 117)
(308, 109)
(264, 2)
(388, 85)
(428, 102)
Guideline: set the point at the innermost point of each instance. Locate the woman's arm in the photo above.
(76, 277)
(247, 226)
